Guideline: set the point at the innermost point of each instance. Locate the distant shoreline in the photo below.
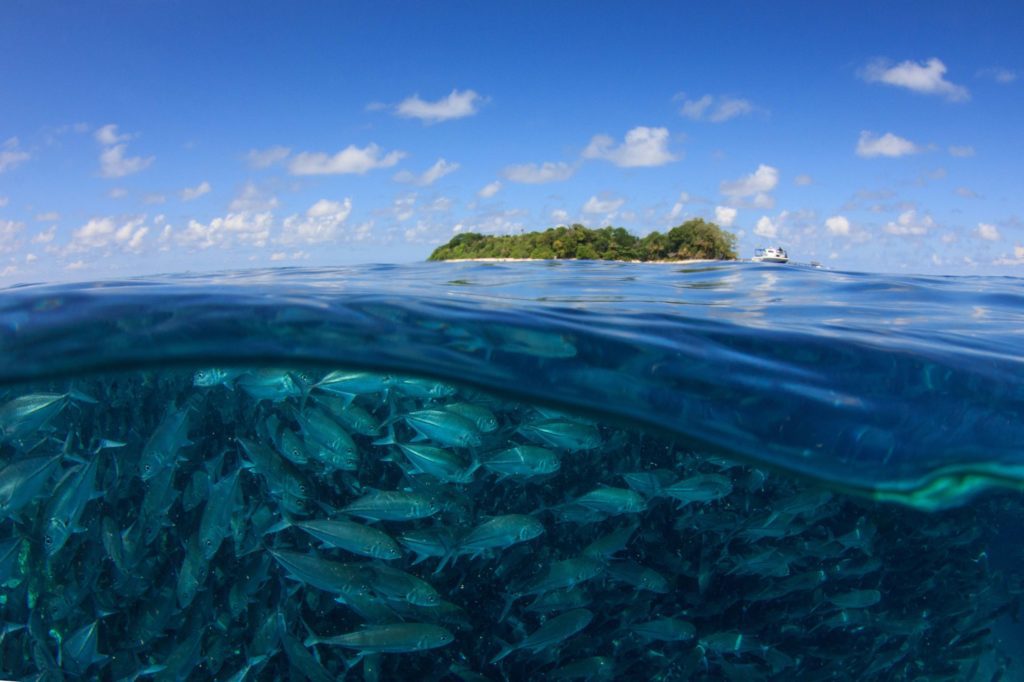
(600, 260)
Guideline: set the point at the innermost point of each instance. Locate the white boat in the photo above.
(773, 254)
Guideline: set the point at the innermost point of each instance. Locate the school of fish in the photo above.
(266, 523)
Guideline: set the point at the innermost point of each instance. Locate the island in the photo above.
(695, 239)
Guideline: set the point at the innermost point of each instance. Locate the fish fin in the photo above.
(506, 649)
(389, 439)
(81, 397)
(510, 599)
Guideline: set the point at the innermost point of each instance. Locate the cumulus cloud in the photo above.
(870, 145)
(46, 236)
(9, 232)
(715, 108)
(114, 163)
(108, 135)
(440, 169)
(966, 193)
(489, 190)
(10, 155)
(766, 227)
(252, 199)
(351, 159)
(245, 227)
(757, 185)
(927, 78)
(1018, 257)
(265, 158)
(108, 232)
(607, 205)
(908, 224)
(725, 215)
(988, 232)
(322, 222)
(455, 105)
(190, 193)
(642, 147)
(838, 225)
(560, 215)
(535, 174)
(47, 217)
(961, 151)
(117, 193)
(803, 180)
(4, 201)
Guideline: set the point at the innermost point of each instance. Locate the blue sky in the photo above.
(151, 137)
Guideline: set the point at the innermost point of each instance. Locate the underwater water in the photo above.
(512, 471)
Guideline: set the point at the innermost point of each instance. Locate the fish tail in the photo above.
(510, 599)
(506, 649)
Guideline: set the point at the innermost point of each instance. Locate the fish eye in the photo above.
(48, 540)
(208, 542)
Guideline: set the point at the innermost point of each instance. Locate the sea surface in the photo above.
(513, 471)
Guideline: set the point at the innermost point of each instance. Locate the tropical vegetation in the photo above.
(694, 239)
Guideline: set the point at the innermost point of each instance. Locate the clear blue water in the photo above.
(794, 472)
(907, 388)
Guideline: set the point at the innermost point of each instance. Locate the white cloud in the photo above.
(10, 155)
(117, 193)
(803, 180)
(31, 258)
(47, 217)
(46, 236)
(560, 215)
(440, 169)
(961, 151)
(766, 228)
(909, 225)
(245, 227)
(988, 232)
(595, 205)
(77, 265)
(322, 223)
(838, 225)
(108, 135)
(715, 108)
(351, 159)
(927, 78)
(643, 147)
(265, 158)
(999, 75)
(9, 232)
(677, 208)
(534, 174)
(251, 199)
(278, 255)
(404, 207)
(190, 193)
(489, 190)
(102, 233)
(4, 201)
(870, 145)
(154, 199)
(725, 215)
(758, 184)
(456, 105)
(966, 193)
(1018, 257)
(114, 163)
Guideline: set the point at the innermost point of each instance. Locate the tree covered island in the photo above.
(694, 239)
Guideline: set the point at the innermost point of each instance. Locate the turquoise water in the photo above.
(622, 471)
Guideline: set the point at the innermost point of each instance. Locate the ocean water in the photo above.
(490, 471)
